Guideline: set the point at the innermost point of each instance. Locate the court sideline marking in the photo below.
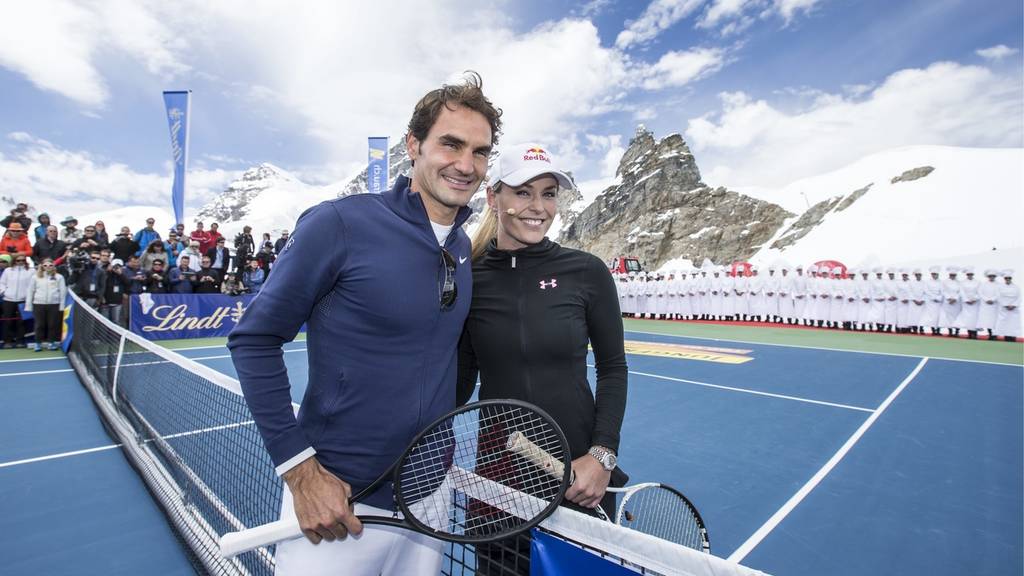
(811, 484)
(112, 446)
(818, 348)
(5, 375)
(755, 392)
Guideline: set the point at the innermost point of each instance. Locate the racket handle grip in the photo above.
(235, 543)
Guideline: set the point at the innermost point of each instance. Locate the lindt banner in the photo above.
(377, 169)
(173, 316)
(177, 104)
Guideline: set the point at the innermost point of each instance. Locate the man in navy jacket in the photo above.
(366, 274)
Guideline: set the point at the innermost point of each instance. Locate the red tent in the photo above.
(832, 265)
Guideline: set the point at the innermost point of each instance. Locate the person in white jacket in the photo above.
(917, 302)
(45, 299)
(950, 302)
(799, 296)
(970, 304)
(988, 292)
(862, 291)
(933, 302)
(13, 288)
(1008, 321)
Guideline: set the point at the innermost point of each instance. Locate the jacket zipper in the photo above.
(521, 305)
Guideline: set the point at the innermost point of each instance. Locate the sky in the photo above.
(765, 92)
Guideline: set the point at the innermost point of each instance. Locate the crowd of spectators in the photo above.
(40, 261)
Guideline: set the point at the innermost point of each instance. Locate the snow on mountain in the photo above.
(265, 197)
(916, 205)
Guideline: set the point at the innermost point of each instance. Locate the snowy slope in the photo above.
(967, 211)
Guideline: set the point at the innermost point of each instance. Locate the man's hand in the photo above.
(591, 482)
(321, 502)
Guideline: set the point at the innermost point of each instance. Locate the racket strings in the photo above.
(461, 479)
(661, 512)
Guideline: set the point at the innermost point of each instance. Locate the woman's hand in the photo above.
(591, 482)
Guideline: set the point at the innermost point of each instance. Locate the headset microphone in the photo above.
(511, 211)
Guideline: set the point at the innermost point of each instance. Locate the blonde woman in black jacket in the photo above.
(536, 307)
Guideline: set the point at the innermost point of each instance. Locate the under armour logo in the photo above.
(553, 283)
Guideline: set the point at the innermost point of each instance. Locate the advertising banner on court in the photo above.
(172, 316)
(377, 169)
(550, 556)
(178, 104)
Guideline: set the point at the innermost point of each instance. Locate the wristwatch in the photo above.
(605, 456)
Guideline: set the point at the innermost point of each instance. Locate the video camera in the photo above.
(78, 261)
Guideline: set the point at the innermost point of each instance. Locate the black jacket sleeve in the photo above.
(604, 325)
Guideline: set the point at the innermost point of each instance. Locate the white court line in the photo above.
(112, 446)
(820, 348)
(755, 392)
(749, 391)
(811, 484)
(55, 456)
(61, 357)
(37, 372)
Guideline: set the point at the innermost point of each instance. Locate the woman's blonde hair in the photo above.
(487, 230)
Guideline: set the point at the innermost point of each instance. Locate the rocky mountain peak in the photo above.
(264, 171)
(662, 210)
(647, 156)
(232, 205)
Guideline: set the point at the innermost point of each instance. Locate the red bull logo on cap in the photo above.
(536, 154)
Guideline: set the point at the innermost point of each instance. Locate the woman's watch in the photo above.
(605, 456)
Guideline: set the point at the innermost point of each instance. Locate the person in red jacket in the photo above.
(15, 242)
(214, 236)
(202, 236)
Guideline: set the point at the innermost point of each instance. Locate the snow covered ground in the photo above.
(969, 210)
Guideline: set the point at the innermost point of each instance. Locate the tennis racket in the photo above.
(652, 508)
(457, 480)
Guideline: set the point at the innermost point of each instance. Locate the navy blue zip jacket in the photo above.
(365, 272)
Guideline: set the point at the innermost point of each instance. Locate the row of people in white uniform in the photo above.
(877, 299)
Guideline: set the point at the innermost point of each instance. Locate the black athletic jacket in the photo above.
(533, 313)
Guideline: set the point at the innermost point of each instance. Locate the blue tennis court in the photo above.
(801, 461)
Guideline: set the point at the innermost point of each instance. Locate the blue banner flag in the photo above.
(178, 104)
(377, 171)
(169, 316)
(173, 316)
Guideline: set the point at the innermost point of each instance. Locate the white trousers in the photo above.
(378, 550)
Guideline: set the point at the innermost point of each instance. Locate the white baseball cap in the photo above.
(520, 163)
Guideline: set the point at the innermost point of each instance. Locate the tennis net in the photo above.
(188, 432)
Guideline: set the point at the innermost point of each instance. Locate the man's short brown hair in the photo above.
(469, 94)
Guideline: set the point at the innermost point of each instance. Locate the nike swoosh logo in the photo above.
(462, 260)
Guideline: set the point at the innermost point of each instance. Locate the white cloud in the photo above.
(679, 68)
(54, 43)
(753, 142)
(995, 53)
(659, 16)
(76, 182)
(609, 148)
(788, 9)
(593, 8)
(731, 17)
(721, 10)
(323, 66)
